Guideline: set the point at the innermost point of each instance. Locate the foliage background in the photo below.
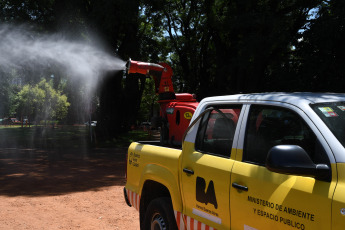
(215, 47)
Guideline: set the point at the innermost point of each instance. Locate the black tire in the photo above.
(159, 215)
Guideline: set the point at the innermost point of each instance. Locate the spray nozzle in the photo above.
(128, 65)
(142, 67)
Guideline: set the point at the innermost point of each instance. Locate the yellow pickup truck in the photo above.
(254, 161)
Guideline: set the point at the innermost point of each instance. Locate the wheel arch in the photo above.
(157, 177)
(151, 190)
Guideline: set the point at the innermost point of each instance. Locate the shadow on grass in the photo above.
(48, 162)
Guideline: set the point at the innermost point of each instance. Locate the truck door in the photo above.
(262, 199)
(206, 166)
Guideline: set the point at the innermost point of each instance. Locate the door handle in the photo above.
(241, 187)
(188, 171)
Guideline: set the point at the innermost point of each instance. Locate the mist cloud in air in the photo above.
(23, 48)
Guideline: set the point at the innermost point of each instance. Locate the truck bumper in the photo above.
(126, 197)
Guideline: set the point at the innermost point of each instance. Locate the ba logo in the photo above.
(204, 195)
(188, 115)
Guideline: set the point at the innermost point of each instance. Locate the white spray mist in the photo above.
(21, 47)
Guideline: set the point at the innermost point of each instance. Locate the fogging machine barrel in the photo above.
(142, 67)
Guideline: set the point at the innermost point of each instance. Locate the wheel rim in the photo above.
(158, 222)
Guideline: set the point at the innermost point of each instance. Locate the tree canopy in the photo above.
(215, 47)
(41, 101)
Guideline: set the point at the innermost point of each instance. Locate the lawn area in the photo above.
(43, 137)
(61, 137)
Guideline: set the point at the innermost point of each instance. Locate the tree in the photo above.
(149, 102)
(224, 47)
(214, 46)
(184, 32)
(115, 22)
(6, 95)
(41, 102)
(320, 51)
(252, 36)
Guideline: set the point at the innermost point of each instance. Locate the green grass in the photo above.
(125, 139)
(61, 137)
(43, 137)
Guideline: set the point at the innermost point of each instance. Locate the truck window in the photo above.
(333, 115)
(269, 126)
(216, 131)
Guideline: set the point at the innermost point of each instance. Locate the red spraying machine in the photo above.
(176, 109)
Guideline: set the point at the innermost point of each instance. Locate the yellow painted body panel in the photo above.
(159, 164)
(209, 168)
(338, 207)
(278, 201)
(273, 200)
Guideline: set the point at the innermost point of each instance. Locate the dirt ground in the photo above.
(64, 189)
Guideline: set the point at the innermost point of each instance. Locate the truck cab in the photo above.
(256, 161)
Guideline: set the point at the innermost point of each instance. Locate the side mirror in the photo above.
(294, 160)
